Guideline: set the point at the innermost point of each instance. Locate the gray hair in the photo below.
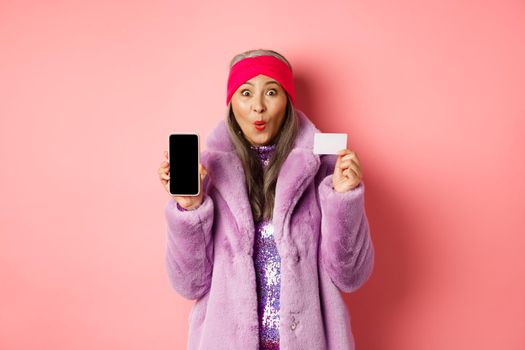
(261, 181)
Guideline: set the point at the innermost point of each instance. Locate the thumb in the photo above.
(203, 171)
(337, 170)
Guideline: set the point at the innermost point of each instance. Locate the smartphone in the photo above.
(184, 158)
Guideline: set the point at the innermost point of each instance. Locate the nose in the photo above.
(258, 105)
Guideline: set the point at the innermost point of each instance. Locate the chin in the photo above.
(259, 142)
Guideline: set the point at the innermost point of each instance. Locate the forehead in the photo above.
(261, 79)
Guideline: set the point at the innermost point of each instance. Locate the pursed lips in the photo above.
(260, 125)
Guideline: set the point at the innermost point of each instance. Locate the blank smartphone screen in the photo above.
(184, 164)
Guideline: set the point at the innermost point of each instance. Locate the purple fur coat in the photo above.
(322, 237)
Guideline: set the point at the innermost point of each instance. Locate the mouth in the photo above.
(260, 125)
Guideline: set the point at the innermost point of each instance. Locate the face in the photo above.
(260, 99)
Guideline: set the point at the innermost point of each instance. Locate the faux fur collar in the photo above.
(227, 176)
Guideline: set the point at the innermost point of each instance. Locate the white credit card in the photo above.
(329, 143)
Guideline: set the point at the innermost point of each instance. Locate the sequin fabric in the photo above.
(267, 264)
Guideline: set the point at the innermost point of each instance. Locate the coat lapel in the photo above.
(227, 176)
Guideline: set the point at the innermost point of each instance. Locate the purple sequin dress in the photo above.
(267, 264)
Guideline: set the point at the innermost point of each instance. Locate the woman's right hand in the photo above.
(187, 202)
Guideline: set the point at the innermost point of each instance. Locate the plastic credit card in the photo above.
(329, 143)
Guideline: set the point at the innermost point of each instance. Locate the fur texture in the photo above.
(322, 237)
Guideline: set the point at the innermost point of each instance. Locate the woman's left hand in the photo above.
(347, 172)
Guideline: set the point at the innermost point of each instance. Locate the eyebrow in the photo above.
(268, 82)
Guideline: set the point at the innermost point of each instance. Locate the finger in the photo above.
(345, 164)
(351, 155)
(343, 151)
(350, 164)
(163, 170)
(164, 176)
(340, 154)
(356, 169)
(343, 154)
(350, 173)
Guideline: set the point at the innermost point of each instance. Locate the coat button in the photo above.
(293, 325)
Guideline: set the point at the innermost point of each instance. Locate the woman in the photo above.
(277, 232)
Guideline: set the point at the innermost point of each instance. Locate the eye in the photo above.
(274, 91)
(243, 91)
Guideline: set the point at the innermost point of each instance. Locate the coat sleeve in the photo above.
(346, 251)
(189, 247)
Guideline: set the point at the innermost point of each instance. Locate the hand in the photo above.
(347, 172)
(187, 202)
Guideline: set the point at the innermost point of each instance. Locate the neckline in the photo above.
(263, 147)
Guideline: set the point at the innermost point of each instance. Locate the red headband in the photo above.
(250, 67)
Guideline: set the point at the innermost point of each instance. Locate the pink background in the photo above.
(431, 94)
